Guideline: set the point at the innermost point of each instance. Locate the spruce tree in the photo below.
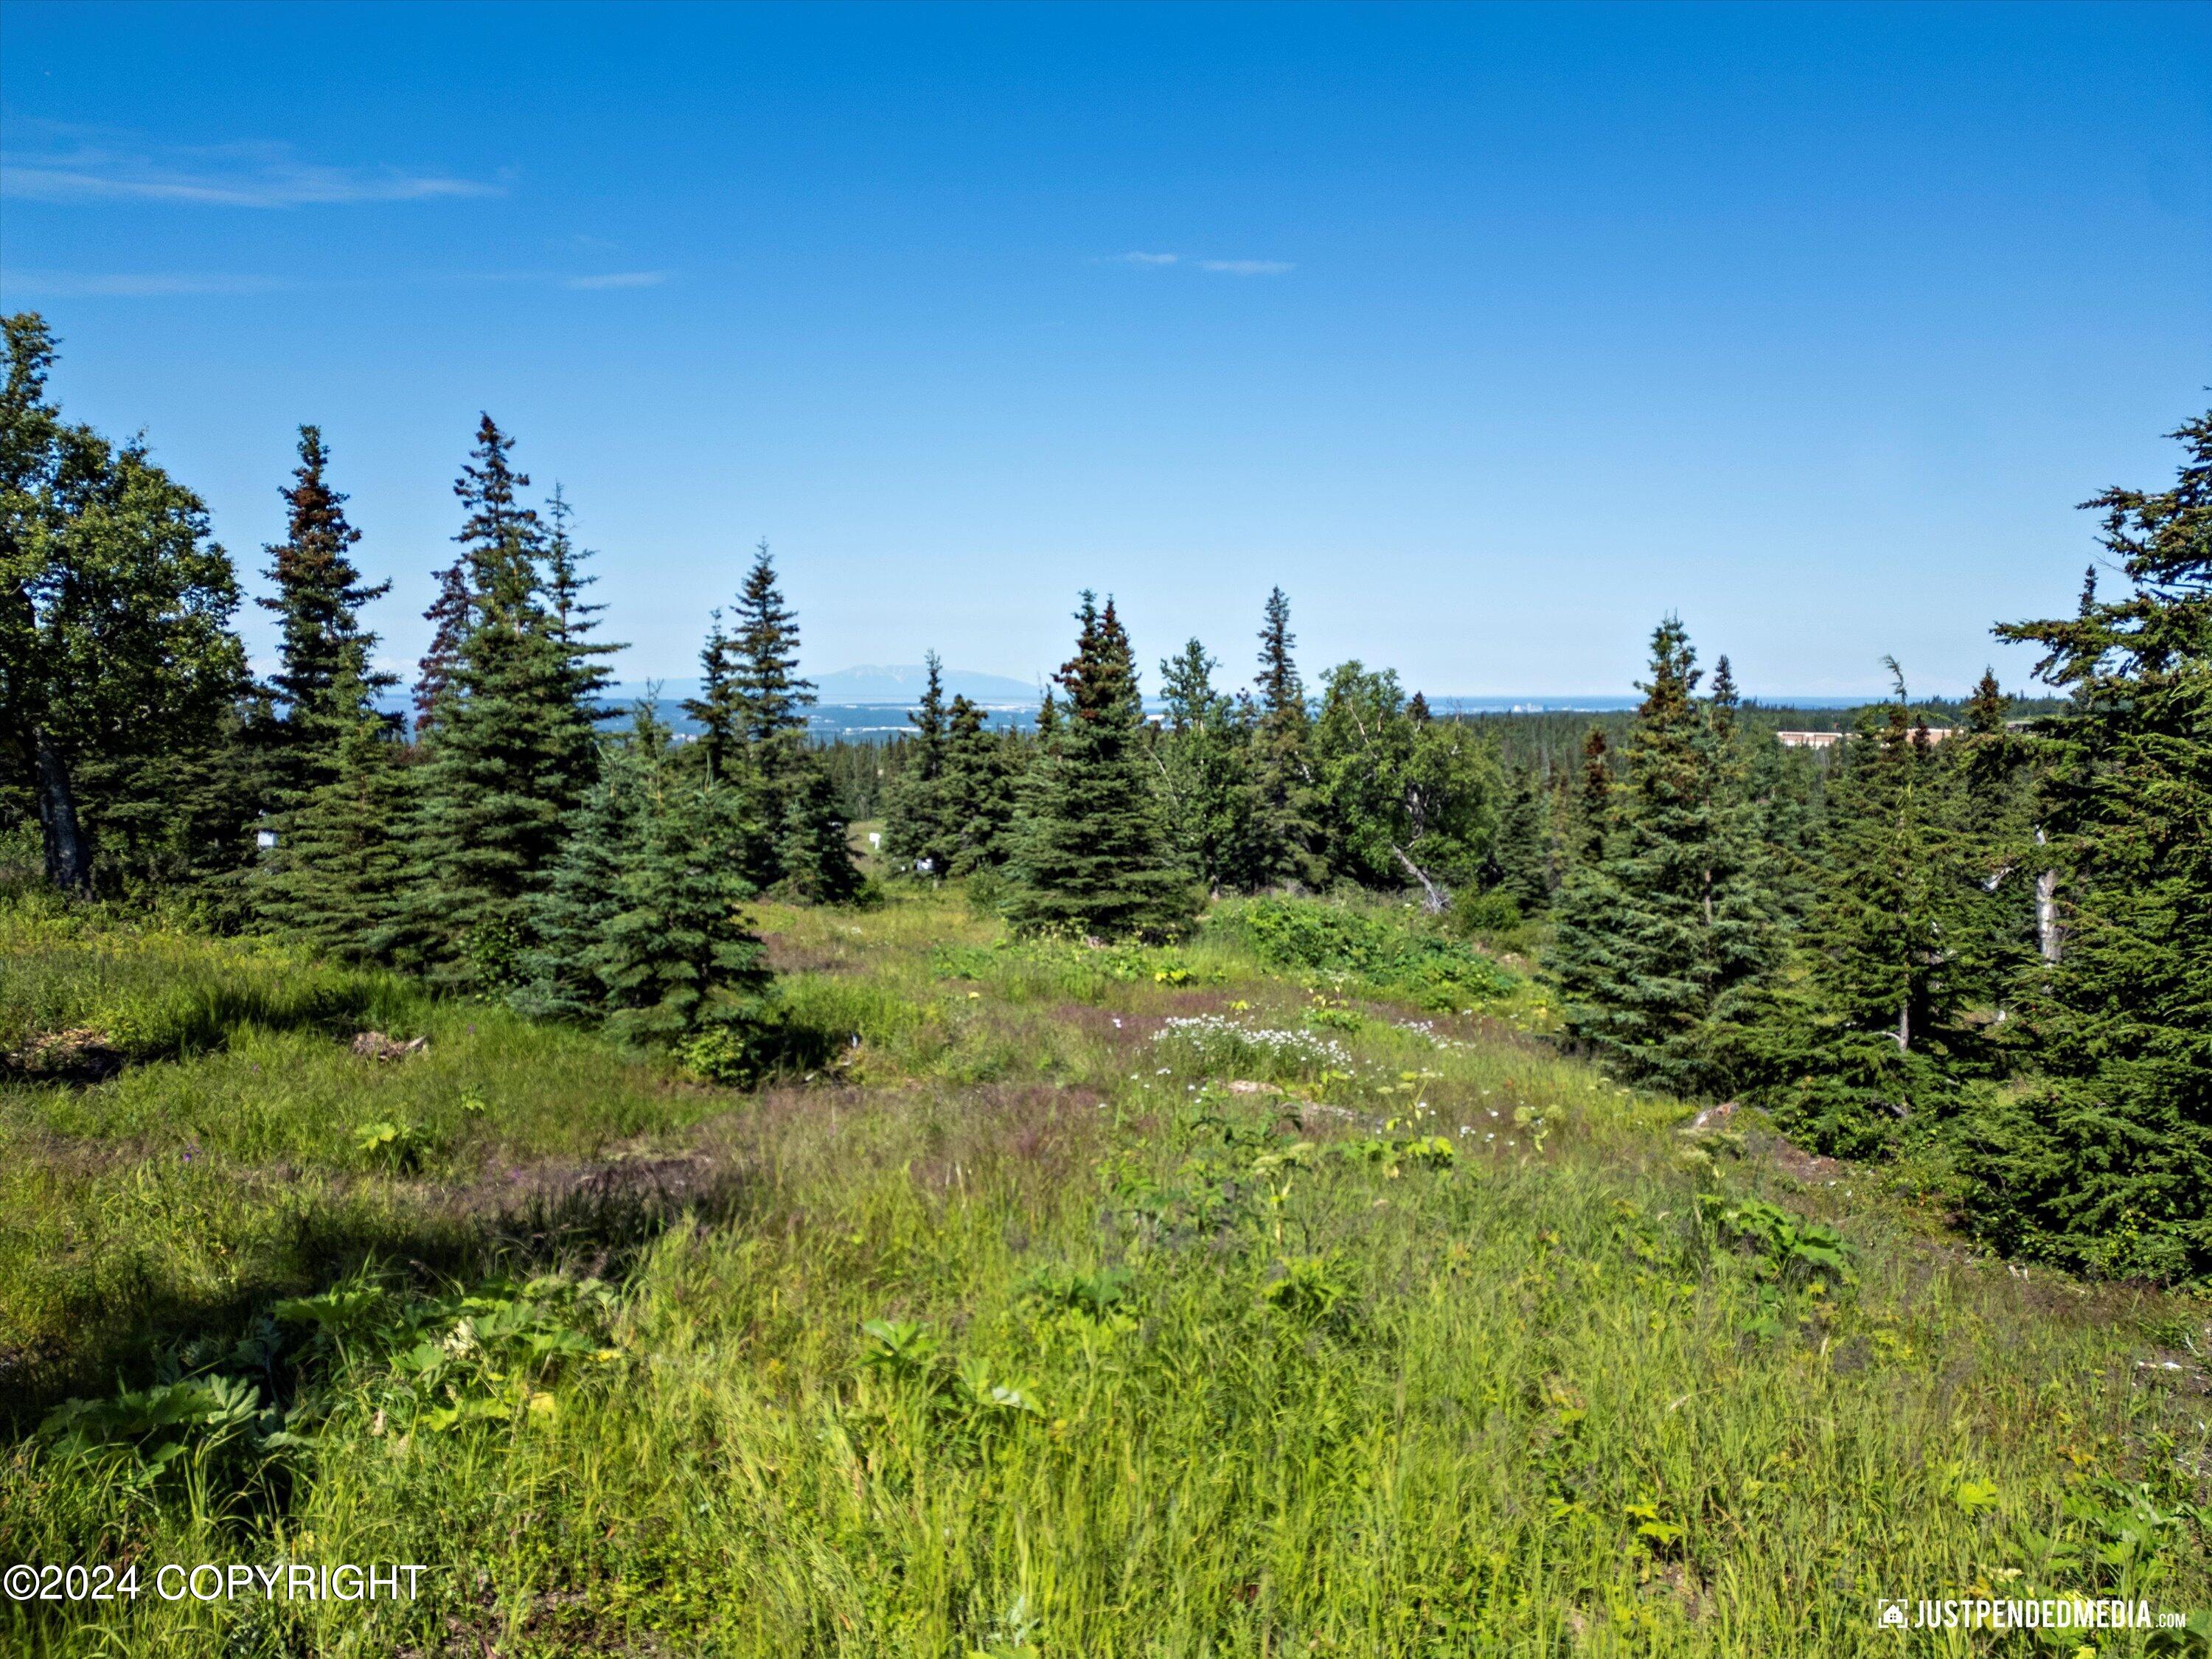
(753, 710)
(1881, 943)
(814, 860)
(449, 615)
(640, 927)
(1594, 799)
(570, 621)
(1998, 869)
(1094, 858)
(720, 744)
(1205, 769)
(1518, 864)
(325, 678)
(1285, 830)
(505, 766)
(978, 792)
(918, 835)
(339, 883)
(1661, 945)
(2107, 1166)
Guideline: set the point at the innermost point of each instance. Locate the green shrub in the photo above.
(1389, 953)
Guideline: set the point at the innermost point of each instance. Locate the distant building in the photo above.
(1830, 739)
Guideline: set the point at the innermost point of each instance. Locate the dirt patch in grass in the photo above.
(83, 1053)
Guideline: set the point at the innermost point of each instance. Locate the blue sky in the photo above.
(1491, 334)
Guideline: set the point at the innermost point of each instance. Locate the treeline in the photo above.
(1982, 931)
(1990, 950)
(496, 842)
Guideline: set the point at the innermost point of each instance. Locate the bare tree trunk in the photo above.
(68, 858)
(1435, 897)
(2047, 911)
(1904, 1027)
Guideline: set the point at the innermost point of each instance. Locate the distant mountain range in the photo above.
(897, 686)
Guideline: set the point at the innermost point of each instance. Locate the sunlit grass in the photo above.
(1036, 1325)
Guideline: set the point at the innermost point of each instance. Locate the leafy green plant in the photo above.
(1389, 953)
(400, 1147)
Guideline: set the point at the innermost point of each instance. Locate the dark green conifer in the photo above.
(2107, 1166)
(1094, 858)
(1596, 797)
(1518, 865)
(641, 928)
(323, 648)
(978, 792)
(1286, 829)
(1882, 942)
(339, 884)
(918, 837)
(1660, 946)
(505, 764)
(753, 709)
(1205, 769)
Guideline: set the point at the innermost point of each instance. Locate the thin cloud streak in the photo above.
(1218, 267)
(619, 279)
(230, 175)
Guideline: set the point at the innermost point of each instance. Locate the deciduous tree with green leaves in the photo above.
(116, 648)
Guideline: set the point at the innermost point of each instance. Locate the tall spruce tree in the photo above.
(1996, 836)
(325, 678)
(1518, 865)
(452, 612)
(1660, 946)
(571, 621)
(1094, 857)
(1595, 798)
(1286, 829)
(1204, 763)
(2107, 1165)
(753, 710)
(506, 762)
(919, 835)
(1882, 942)
(978, 792)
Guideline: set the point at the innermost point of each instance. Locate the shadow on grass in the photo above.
(592, 1220)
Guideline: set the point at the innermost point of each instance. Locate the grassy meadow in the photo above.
(1285, 1293)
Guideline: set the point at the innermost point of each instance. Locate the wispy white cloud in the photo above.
(1219, 267)
(64, 284)
(77, 167)
(619, 279)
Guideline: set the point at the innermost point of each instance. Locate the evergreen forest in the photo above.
(1256, 1162)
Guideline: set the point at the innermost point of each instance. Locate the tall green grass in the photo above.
(1021, 1331)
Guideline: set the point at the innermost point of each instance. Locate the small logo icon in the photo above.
(1889, 1615)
